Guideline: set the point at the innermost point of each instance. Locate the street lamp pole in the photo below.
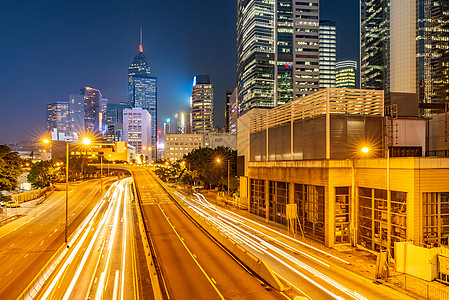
(228, 177)
(101, 174)
(66, 191)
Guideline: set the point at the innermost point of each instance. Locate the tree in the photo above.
(9, 168)
(42, 174)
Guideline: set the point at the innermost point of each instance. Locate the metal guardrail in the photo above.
(423, 289)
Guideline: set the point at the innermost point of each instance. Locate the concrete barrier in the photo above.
(256, 265)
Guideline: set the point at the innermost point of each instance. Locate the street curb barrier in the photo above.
(258, 266)
(150, 257)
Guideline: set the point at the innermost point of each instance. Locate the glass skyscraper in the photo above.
(404, 48)
(277, 51)
(142, 89)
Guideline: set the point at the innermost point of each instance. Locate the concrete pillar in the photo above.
(329, 215)
(267, 200)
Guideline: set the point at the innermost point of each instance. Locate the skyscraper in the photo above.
(346, 74)
(180, 123)
(227, 110)
(277, 51)
(58, 116)
(142, 88)
(202, 104)
(76, 113)
(93, 103)
(328, 53)
(86, 111)
(404, 48)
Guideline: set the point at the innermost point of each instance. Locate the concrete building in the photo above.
(137, 130)
(202, 104)
(178, 145)
(346, 74)
(306, 156)
(228, 110)
(216, 139)
(328, 53)
(58, 116)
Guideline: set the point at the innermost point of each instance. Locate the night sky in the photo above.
(50, 49)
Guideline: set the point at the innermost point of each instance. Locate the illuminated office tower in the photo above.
(142, 88)
(277, 51)
(346, 74)
(328, 53)
(202, 104)
(58, 116)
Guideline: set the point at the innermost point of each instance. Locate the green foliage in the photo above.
(211, 173)
(42, 174)
(10, 168)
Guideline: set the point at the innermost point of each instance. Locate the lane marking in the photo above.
(192, 255)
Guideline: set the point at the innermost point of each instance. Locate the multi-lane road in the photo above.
(29, 242)
(193, 266)
(101, 261)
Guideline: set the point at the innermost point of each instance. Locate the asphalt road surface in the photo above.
(193, 265)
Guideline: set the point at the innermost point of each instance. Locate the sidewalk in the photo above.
(362, 262)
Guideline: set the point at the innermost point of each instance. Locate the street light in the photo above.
(86, 141)
(364, 151)
(229, 177)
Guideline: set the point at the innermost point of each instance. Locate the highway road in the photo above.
(308, 274)
(26, 244)
(101, 262)
(193, 265)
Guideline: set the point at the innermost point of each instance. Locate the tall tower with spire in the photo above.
(142, 89)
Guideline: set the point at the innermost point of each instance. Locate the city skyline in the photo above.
(53, 53)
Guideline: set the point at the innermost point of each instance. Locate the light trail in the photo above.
(239, 229)
(89, 232)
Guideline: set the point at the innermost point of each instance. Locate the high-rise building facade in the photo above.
(76, 113)
(404, 48)
(346, 72)
(202, 104)
(227, 110)
(328, 53)
(142, 89)
(93, 104)
(180, 123)
(115, 112)
(137, 130)
(58, 116)
(277, 51)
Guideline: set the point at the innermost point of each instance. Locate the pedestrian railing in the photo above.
(424, 289)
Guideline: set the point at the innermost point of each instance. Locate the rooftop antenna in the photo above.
(140, 45)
